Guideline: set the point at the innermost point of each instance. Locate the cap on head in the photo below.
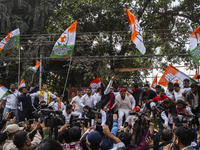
(122, 90)
(12, 128)
(94, 139)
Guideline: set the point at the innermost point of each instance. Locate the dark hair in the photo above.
(125, 137)
(166, 135)
(158, 86)
(176, 85)
(43, 84)
(20, 138)
(78, 89)
(50, 145)
(194, 85)
(61, 137)
(88, 88)
(98, 89)
(83, 142)
(146, 85)
(185, 135)
(125, 84)
(181, 102)
(66, 137)
(146, 97)
(69, 106)
(170, 84)
(12, 83)
(186, 80)
(162, 90)
(75, 133)
(135, 85)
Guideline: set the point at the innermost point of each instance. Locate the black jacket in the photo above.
(138, 96)
(152, 94)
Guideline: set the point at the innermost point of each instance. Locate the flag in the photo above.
(12, 40)
(173, 75)
(22, 84)
(64, 46)
(195, 76)
(34, 69)
(95, 84)
(136, 32)
(4, 91)
(195, 45)
(154, 83)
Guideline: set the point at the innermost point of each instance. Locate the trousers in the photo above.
(121, 113)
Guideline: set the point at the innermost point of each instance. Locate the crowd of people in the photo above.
(131, 117)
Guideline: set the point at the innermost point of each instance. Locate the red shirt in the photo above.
(159, 99)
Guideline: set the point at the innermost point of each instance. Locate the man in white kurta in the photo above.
(47, 95)
(90, 100)
(77, 102)
(123, 103)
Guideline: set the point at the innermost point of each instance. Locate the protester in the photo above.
(170, 90)
(158, 88)
(21, 140)
(148, 92)
(11, 102)
(178, 92)
(137, 93)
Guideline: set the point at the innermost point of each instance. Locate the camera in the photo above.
(53, 118)
(91, 113)
(185, 118)
(79, 121)
(158, 108)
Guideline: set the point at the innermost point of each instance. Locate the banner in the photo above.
(154, 83)
(96, 83)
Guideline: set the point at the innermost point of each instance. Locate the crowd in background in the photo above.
(131, 117)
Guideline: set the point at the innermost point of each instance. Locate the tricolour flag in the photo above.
(22, 84)
(173, 75)
(195, 76)
(95, 84)
(64, 46)
(4, 91)
(34, 69)
(154, 83)
(195, 45)
(136, 32)
(12, 40)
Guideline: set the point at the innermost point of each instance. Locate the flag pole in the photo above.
(19, 68)
(40, 77)
(67, 76)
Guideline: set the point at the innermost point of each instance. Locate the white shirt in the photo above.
(37, 94)
(88, 101)
(98, 97)
(67, 116)
(178, 95)
(125, 103)
(54, 105)
(187, 89)
(195, 103)
(12, 100)
(78, 104)
(169, 94)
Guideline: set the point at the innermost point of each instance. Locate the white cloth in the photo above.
(121, 113)
(68, 116)
(78, 106)
(54, 105)
(169, 94)
(118, 145)
(167, 120)
(37, 94)
(186, 89)
(178, 95)
(187, 147)
(196, 101)
(88, 101)
(98, 98)
(12, 100)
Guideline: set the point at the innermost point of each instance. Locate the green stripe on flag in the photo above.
(12, 43)
(62, 51)
(8, 92)
(31, 68)
(195, 53)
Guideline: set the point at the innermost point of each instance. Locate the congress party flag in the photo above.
(96, 83)
(195, 45)
(195, 76)
(154, 83)
(35, 68)
(136, 32)
(4, 91)
(22, 84)
(174, 75)
(11, 41)
(64, 46)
